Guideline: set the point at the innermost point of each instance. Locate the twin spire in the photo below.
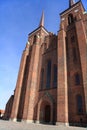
(71, 2)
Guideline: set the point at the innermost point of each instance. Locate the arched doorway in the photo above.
(46, 110)
(47, 114)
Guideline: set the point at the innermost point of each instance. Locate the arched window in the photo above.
(55, 76)
(79, 104)
(48, 74)
(35, 39)
(70, 19)
(42, 79)
(77, 79)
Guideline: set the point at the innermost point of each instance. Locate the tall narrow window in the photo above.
(35, 38)
(77, 79)
(72, 39)
(70, 19)
(48, 74)
(67, 48)
(79, 104)
(74, 55)
(55, 76)
(42, 79)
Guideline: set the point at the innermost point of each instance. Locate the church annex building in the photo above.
(52, 80)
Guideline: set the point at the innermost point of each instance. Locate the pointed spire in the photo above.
(71, 2)
(42, 20)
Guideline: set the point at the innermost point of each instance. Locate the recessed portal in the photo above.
(47, 113)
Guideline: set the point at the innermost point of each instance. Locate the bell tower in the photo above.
(26, 87)
(72, 70)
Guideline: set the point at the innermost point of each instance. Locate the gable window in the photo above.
(34, 39)
(79, 104)
(55, 76)
(70, 19)
(48, 80)
(77, 79)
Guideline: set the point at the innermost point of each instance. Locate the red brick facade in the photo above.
(52, 79)
(8, 108)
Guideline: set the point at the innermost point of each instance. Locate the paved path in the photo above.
(9, 125)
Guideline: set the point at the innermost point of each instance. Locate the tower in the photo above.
(25, 92)
(52, 79)
(71, 3)
(72, 72)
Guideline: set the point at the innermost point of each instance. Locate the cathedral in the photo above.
(52, 80)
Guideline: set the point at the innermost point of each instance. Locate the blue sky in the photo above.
(17, 19)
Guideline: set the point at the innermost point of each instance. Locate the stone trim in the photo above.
(62, 123)
(14, 119)
(30, 121)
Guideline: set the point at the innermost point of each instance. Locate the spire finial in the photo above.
(71, 2)
(42, 20)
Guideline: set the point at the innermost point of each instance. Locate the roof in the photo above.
(72, 6)
(37, 30)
